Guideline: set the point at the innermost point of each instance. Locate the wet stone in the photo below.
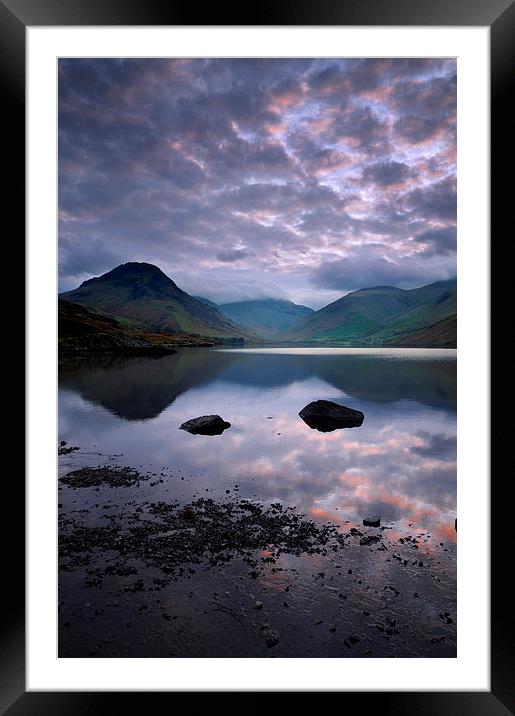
(325, 416)
(206, 425)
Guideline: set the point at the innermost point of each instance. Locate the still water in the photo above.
(393, 597)
(400, 464)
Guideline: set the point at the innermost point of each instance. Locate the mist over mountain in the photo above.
(269, 317)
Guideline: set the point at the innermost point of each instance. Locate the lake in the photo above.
(400, 464)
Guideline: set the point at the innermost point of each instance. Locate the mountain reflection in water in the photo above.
(400, 464)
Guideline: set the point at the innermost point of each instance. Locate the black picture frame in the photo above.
(499, 15)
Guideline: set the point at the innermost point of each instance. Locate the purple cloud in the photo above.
(387, 173)
(232, 255)
(282, 173)
(438, 241)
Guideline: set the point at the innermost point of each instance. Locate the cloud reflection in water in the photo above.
(401, 463)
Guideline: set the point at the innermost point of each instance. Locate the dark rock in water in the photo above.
(372, 521)
(272, 638)
(325, 416)
(206, 425)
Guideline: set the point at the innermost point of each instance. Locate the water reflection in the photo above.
(142, 388)
(400, 464)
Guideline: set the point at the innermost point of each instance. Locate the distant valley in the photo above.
(269, 317)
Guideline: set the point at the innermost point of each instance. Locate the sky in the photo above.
(300, 179)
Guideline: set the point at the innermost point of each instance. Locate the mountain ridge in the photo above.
(378, 315)
(142, 295)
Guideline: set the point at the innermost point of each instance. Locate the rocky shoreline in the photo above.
(243, 577)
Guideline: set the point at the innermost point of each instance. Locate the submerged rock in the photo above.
(372, 521)
(206, 425)
(325, 416)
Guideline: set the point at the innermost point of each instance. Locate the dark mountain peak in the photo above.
(139, 278)
(138, 267)
(131, 272)
(141, 294)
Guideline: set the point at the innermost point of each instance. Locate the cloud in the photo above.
(436, 201)
(281, 167)
(231, 255)
(387, 173)
(416, 130)
(326, 78)
(437, 445)
(438, 241)
(374, 265)
(361, 127)
(78, 262)
(433, 98)
(242, 287)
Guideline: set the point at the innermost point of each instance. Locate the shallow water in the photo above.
(400, 464)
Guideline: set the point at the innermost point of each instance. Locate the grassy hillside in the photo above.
(140, 295)
(440, 335)
(380, 316)
(81, 330)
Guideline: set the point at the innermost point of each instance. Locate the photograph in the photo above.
(252, 416)
(257, 334)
